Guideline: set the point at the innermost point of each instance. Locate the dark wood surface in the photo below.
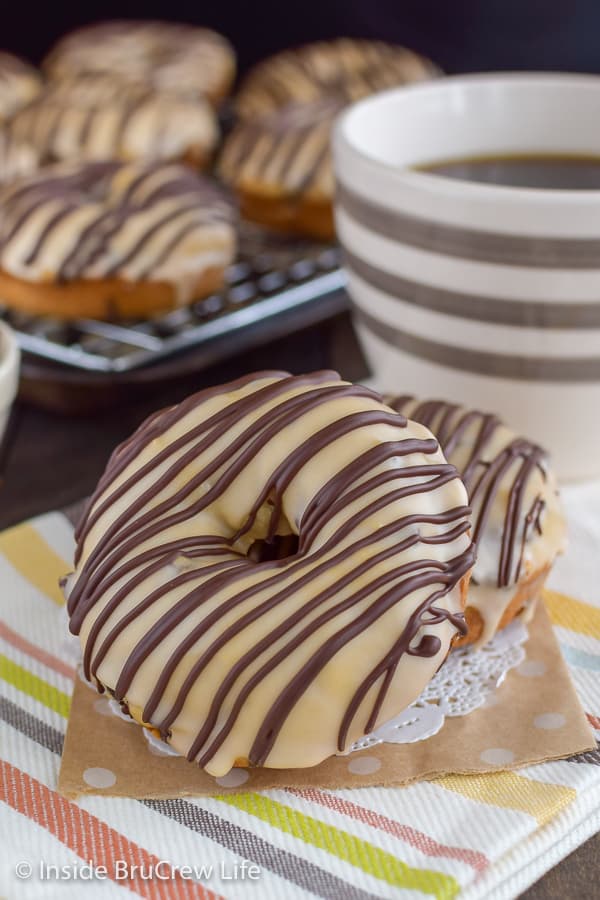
(50, 461)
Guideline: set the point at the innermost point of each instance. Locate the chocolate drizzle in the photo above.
(141, 542)
(486, 473)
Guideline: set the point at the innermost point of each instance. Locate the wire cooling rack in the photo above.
(273, 280)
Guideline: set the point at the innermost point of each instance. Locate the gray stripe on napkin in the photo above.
(590, 756)
(306, 875)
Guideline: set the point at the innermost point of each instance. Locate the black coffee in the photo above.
(572, 173)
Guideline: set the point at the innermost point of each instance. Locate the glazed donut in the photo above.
(279, 167)
(277, 158)
(168, 56)
(345, 67)
(19, 83)
(270, 569)
(518, 522)
(97, 117)
(111, 240)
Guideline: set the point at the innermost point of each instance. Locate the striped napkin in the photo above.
(478, 836)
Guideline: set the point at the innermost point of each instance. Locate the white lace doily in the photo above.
(464, 683)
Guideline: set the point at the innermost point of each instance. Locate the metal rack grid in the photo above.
(273, 277)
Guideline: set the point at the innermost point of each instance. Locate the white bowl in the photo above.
(486, 294)
(9, 374)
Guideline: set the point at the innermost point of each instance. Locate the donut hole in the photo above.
(262, 546)
(279, 547)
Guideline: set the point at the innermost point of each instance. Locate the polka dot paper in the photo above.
(535, 716)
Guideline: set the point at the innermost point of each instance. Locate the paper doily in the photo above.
(464, 683)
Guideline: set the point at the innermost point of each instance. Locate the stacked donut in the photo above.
(95, 218)
(130, 90)
(277, 158)
(121, 90)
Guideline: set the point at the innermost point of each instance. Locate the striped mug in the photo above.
(480, 293)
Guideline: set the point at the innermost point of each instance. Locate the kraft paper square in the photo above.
(535, 715)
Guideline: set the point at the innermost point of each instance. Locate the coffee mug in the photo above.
(9, 374)
(479, 293)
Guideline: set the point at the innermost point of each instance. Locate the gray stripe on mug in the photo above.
(500, 365)
(526, 313)
(468, 243)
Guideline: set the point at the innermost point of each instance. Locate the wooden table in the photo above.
(51, 461)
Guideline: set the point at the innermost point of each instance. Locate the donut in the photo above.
(277, 158)
(270, 569)
(518, 521)
(97, 117)
(112, 240)
(346, 67)
(165, 55)
(279, 167)
(19, 83)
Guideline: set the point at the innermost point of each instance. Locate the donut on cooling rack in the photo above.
(279, 167)
(19, 83)
(345, 67)
(270, 569)
(111, 240)
(277, 158)
(97, 117)
(518, 522)
(164, 55)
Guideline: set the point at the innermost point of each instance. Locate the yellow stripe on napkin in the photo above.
(573, 614)
(40, 690)
(345, 846)
(511, 791)
(27, 552)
